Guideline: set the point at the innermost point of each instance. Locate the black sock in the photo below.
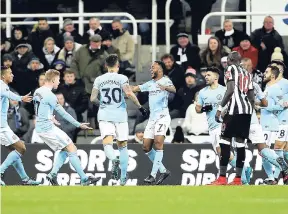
(240, 161)
(224, 158)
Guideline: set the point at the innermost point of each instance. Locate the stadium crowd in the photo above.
(80, 60)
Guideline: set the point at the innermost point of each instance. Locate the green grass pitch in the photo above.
(144, 200)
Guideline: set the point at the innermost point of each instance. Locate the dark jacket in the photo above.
(23, 121)
(176, 75)
(60, 38)
(112, 50)
(66, 126)
(103, 33)
(43, 59)
(14, 41)
(258, 34)
(235, 38)
(37, 38)
(76, 96)
(192, 53)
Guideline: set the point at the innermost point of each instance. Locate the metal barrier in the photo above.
(247, 20)
(203, 25)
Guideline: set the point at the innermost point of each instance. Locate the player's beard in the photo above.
(155, 75)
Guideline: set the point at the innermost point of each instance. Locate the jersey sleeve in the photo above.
(144, 87)
(96, 84)
(250, 84)
(125, 81)
(200, 101)
(169, 83)
(9, 94)
(230, 74)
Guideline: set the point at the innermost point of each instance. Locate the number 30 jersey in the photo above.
(112, 102)
(239, 103)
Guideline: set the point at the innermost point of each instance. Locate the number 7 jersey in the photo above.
(112, 101)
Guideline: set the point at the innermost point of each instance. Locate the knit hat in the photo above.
(35, 59)
(139, 128)
(22, 45)
(182, 35)
(277, 55)
(68, 38)
(67, 22)
(190, 72)
(106, 37)
(7, 57)
(245, 37)
(95, 38)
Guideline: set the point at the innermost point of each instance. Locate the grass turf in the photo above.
(144, 200)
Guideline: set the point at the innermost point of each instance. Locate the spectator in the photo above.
(5, 47)
(186, 94)
(7, 60)
(18, 37)
(21, 58)
(37, 38)
(34, 69)
(267, 29)
(229, 36)
(256, 74)
(18, 118)
(68, 51)
(280, 59)
(212, 55)
(173, 71)
(74, 93)
(268, 45)
(186, 54)
(246, 50)
(94, 28)
(123, 41)
(195, 123)
(49, 53)
(60, 66)
(88, 64)
(68, 30)
(139, 135)
(108, 47)
(66, 126)
(224, 65)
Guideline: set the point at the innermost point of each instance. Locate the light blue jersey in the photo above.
(158, 99)
(208, 96)
(269, 120)
(45, 102)
(112, 101)
(259, 95)
(283, 115)
(6, 94)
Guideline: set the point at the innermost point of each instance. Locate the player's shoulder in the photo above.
(204, 90)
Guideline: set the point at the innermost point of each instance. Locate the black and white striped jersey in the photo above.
(239, 102)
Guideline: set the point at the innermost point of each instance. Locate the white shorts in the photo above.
(157, 127)
(256, 134)
(270, 137)
(283, 133)
(215, 134)
(120, 131)
(8, 137)
(56, 139)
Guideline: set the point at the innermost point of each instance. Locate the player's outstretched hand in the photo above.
(217, 116)
(85, 126)
(207, 108)
(145, 112)
(27, 98)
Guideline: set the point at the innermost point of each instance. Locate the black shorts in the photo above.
(237, 125)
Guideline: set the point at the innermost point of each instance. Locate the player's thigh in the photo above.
(122, 131)
(283, 133)
(161, 126)
(236, 126)
(149, 130)
(107, 129)
(256, 134)
(269, 137)
(215, 135)
(56, 139)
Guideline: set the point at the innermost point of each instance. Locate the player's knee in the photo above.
(146, 148)
(121, 144)
(158, 144)
(279, 145)
(21, 148)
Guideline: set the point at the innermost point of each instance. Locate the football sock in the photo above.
(268, 168)
(277, 171)
(124, 158)
(18, 165)
(224, 159)
(75, 162)
(270, 156)
(157, 162)
(240, 161)
(151, 156)
(10, 159)
(286, 155)
(60, 159)
(109, 151)
(233, 161)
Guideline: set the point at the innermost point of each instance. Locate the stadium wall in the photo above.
(190, 165)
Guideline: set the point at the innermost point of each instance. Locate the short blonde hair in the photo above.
(228, 20)
(51, 74)
(48, 39)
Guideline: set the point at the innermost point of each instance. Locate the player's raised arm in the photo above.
(135, 88)
(94, 96)
(260, 95)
